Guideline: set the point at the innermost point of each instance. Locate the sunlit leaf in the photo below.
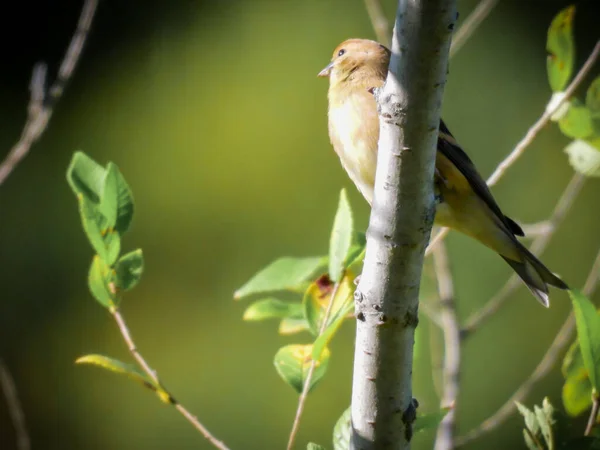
(293, 325)
(577, 122)
(86, 177)
(342, 432)
(129, 269)
(313, 446)
(317, 298)
(99, 277)
(109, 200)
(429, 421)
(545, 419)
(272, 308)
(561, 49)
(530, 419)
(293, 363)
(577, 393)
(584, 156)
(129, 370)
(588, 334)
(341, 238)
(284, 274)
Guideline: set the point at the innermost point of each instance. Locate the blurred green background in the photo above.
(215, 116)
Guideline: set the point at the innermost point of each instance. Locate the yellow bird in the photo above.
(465, 202)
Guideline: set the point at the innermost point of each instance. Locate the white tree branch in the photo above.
(400, 225)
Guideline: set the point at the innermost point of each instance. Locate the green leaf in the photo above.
(313, 446)
(341, 238)
(129, 269)
(317, 297)
(109, 198)
(561, 49)
(129, 370)
(588, 334)
(577, 393)
(429, 421)
(584, 156)
(292, 362)
(86, 177)
(105, 241)
(356, 255)
(592, 97)
(325, 338)
(272, 308)
(284, 274)
(577, 122)
(342, 432)
(125, 205)
(293, 325)
(98, 281)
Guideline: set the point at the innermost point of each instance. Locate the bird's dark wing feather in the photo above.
(448, 146)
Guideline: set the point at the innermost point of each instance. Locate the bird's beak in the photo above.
(326, 71)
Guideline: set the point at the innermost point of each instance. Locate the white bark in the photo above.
(401, 218)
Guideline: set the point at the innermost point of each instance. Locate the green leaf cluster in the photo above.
(327, 287)
(578, 120)
(106, 210)
(538, 431)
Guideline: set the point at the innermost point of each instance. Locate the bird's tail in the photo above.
(536, 276)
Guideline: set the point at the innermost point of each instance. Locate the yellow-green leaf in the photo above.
(99, 277)
(272, 308)
(317, 297)
(584, 156)
(592, 97)
(114, 365)
(293, 362)
(293, 325)
(561, 49)
(577, 122)
(577, 392)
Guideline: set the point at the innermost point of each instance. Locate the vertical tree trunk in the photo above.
(387, 297)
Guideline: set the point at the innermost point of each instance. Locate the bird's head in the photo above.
(357, 60)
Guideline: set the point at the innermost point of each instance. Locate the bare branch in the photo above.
(387, 296)
(379, 22)
(451, 330)
(41, 104)
(15, 410)
(531, 134)
(471, 23)
(593, 414)
(537, 247)
(310, 373)
(560, 343)
(152, 374)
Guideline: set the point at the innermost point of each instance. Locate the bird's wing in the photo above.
(448, 146)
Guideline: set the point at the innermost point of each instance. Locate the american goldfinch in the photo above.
(465, 202)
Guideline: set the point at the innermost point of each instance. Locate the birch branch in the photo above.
(387, 296)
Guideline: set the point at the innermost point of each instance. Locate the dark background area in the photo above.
(215, 116)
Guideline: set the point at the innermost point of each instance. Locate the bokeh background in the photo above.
(214, 114)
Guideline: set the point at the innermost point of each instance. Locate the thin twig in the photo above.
(531, 134)
(310, 373)
(15, 409)
(593, 414)
(42, 103)
(451, 330)
(561, 341)
(152, 374)
(537, 247)
(471, 23)
(380, 24)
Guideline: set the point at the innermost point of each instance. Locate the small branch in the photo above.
(531, 134)
(42, 103)
(593, 414)
(451, 330)
(560, 343)
(471, 23)
(537, 247)
(379, 22)
(152, 374)
(387, 296)
(14, 407)
(310, 373)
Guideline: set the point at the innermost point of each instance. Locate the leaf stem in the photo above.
(310, 373)
(152, 374)
(593, 414)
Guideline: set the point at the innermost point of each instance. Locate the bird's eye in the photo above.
(341, 52)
